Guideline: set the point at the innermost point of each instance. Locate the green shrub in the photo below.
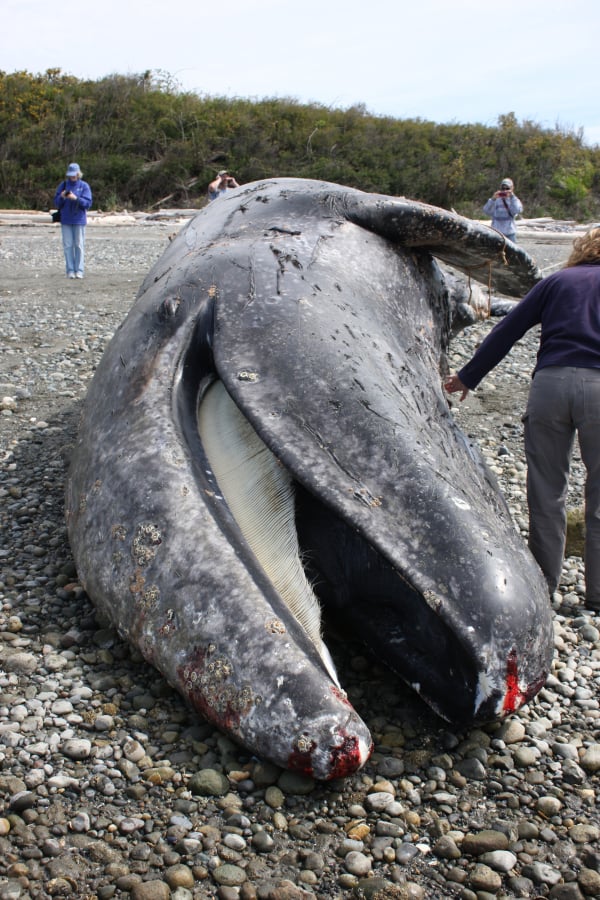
(139, 140)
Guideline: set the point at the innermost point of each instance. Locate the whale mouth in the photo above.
(317, 562)
(358, 587)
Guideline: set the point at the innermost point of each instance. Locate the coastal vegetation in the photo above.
(142, 143)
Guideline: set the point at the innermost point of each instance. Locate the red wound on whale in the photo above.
(346, 759)
(300, 760)
(514, 697)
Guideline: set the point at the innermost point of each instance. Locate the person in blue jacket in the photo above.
(503, 206)
(73, 198)
(564, 399)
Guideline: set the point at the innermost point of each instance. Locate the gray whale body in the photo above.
(322, 317)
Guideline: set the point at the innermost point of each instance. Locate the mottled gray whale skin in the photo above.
(322, 311)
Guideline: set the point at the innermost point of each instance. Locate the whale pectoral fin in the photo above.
(473, 247)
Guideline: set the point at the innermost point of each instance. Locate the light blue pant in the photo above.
(73, 238)
(562, 401)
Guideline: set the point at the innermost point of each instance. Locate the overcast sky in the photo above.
(443, 60)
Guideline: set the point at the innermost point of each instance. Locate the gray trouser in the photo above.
(563, 401)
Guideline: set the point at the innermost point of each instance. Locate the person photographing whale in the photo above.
(223, 183)
(503, 206)
(73, 198)
(564, 399)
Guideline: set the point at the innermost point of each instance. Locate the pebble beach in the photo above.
(111, 787)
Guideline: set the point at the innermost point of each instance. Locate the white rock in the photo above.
(77, 748)
(357, 864)
(378, 800)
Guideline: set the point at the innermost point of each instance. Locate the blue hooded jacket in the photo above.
(73, 212)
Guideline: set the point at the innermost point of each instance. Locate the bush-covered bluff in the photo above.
(140, 141)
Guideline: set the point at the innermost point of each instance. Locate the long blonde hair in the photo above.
(586, 249)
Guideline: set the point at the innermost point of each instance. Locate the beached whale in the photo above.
(266, 436)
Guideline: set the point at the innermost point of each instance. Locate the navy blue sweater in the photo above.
(567, 305)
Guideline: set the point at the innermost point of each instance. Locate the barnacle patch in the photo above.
(247, 376)
(147, 539)
(304, 744)
(275, 626)
(210, 684)
(137, 582)
(151, 595)
(146, 598)
(300, 758)
(170, 626)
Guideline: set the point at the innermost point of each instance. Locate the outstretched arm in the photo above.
(454, 384)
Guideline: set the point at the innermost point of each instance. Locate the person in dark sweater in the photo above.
(564, 399)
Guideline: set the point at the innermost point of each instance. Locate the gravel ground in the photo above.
(110, 787)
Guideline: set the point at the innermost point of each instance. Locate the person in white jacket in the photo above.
(503, 206)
